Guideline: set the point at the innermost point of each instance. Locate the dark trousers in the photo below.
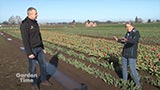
(40, 58)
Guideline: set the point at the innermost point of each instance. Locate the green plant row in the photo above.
(107, 78)
(70, 52)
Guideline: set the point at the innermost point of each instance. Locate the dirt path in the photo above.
(14, 61)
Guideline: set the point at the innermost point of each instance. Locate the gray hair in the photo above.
(30, 9)
(130, 23)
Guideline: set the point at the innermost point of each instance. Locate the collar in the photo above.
(30, 20)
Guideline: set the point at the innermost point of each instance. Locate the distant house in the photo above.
(94, 24)
(87, 24)
(90, 24)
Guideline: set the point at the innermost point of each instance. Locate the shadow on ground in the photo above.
(51, 67)
(113, 58)
(65, 81)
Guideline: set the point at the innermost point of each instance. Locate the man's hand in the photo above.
(124, 39)
(115, 38)
(44, 51)
(31, 56)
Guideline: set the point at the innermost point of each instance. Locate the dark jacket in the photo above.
(131, 45)
(31, 35)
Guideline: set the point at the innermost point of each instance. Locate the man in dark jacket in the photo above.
(34, 48)
(129, 53)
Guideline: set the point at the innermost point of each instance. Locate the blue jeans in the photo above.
(40, 57)
(132, 65)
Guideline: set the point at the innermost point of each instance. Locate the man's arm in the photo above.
(119, 40)
(25, 37)
(135, 38)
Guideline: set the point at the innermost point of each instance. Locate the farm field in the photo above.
(94, 58)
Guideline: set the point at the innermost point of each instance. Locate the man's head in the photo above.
(32, 13)
(129, 26)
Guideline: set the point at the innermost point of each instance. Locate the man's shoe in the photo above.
(35, 87)
(46, 83)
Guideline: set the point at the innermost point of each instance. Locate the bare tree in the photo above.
(18, 19)
(14, 20)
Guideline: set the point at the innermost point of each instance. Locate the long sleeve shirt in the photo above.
(31, 35)
(131, 45)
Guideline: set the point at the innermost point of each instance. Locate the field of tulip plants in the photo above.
(94, 51)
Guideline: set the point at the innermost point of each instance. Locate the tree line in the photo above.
(13, 20)
(16, 20)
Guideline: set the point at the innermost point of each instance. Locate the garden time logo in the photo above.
(26, 77)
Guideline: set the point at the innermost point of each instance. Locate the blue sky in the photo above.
(82, 10)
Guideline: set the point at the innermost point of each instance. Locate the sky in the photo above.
(82, 10)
